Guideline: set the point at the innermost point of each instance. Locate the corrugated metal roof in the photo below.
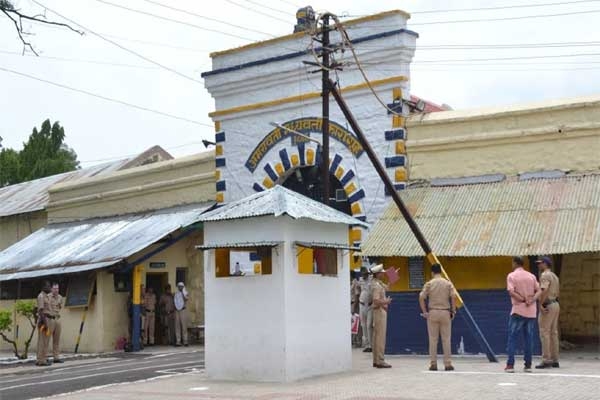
(33, 195)
(342, 246)
(93, 243)
(278, 201)
(553, 216)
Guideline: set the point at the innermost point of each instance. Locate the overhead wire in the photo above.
(175, 21)
(286, 13)
(106, 98)
(98, 62)
(207, 18)
(257, 11)
(151, 61)
(464, 21)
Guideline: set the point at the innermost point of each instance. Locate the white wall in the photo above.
(317, 308)
(244, 334)
(279, 327)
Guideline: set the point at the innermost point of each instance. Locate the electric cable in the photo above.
(174, 71)
(110, 99)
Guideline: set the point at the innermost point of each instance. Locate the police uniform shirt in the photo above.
(55, 304)
(439, 291)
(43, 303)
(549, 281)
(366, 297)
(378, 292)
(149, 301)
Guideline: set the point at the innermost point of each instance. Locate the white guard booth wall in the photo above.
(279, 327)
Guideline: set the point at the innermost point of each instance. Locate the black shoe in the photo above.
(58, 360)
(177, 345)
(383, 365)
(433, 367)
(449, 368)
(555, 365)
(543, 366)
(368, 350)
(186, 345)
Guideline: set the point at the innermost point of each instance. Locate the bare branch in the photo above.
(17, 18)
(19, 32)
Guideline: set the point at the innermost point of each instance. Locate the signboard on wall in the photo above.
(416, 276)
(244, 263)
(78, 292)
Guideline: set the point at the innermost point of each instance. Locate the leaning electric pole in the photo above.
(325, 118)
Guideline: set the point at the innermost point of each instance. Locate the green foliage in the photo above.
(26, 308)
(6, 5)
(5, 320)
(44, 154)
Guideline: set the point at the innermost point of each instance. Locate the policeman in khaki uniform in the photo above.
(380, 306)
(150, 310)
(44, 326)
(439, 314)
(56, 303)
(549, 312)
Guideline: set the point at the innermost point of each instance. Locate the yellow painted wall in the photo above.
(154, 186)
(505, 139)
(465, 272)
(16, 227)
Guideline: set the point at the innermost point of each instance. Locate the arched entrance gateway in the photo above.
(298, 165)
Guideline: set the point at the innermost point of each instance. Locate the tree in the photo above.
(44, 154)
(17, 17)
(26, 308)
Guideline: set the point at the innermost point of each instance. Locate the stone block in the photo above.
(596, 282)
(589, 298)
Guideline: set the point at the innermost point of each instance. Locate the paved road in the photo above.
(42, 382)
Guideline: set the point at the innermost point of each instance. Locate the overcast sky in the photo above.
(568, 63)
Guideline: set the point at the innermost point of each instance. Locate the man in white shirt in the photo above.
(181, 315)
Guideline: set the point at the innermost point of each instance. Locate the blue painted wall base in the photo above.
(407, 330)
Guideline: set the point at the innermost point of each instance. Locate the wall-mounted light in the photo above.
(207, 143)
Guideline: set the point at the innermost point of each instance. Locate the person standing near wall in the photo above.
(44, 326)
(523, 289)
(150, 320)
(439, 313)
(167, 314)
(549, 313)
(56, 304)
(181, 315)
(365, 301)
(380, 306)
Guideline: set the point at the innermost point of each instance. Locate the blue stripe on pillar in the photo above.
(360, 194)
(301, 148)
(395, 161)
(221, 186)
(219, 162)
(219, 137)
(257, 187)
(346, 178)
(395, 134)
(271, 172)
(335, 163)
(285, 159)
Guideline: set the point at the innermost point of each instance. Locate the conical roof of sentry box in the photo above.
(278, 201)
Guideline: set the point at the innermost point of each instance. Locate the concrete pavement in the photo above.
(474, 379)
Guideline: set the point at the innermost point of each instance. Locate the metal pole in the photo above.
(136, 305)
(431, 257)
(325, 126)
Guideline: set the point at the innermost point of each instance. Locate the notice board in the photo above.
(78, 291)
(416, 276)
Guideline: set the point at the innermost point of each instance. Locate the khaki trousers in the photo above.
(168, 322)
(439, 323)
(181, 326)
(44, 340)
(366, 322)
(379, 331)
(548, 322)
(149, 326)
(56, 339)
